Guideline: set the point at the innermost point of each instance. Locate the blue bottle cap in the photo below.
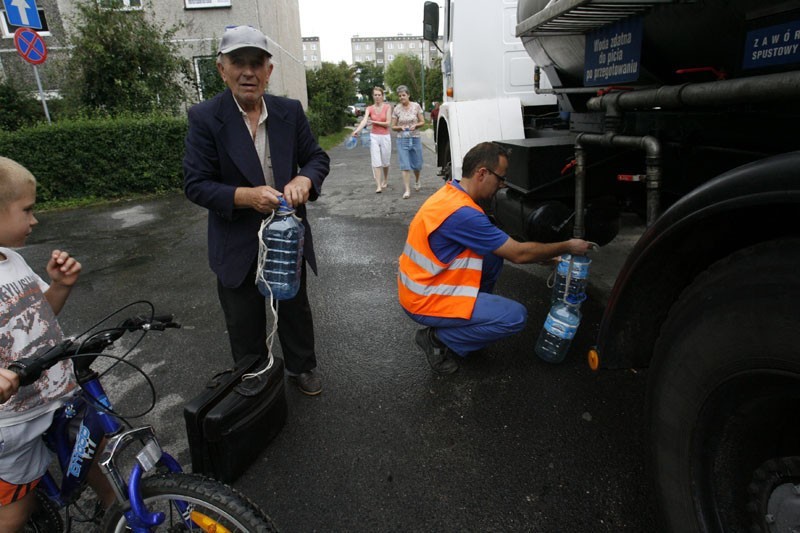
(351, 142)
(283, 207)
(575, 299)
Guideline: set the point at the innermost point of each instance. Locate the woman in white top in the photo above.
(379, 115)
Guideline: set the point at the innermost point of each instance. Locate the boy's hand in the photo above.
(9, 384)
(63, 269)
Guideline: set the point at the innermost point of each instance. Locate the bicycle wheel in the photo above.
(46, 518)
(210, 504)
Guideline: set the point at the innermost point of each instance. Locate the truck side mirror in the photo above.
(430, 22)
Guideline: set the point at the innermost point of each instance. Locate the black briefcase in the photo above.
(233, 419)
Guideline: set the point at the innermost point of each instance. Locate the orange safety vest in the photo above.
(425, 285)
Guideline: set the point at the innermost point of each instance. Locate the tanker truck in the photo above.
(686, 113)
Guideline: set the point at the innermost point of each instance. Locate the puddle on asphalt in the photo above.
(133, 216)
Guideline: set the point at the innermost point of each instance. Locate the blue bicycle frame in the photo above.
(75, 460)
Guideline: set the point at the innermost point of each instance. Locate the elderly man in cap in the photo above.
(244, 150)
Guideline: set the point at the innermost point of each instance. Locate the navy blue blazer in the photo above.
(220, 156)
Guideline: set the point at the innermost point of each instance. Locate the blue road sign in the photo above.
(23, 13)
(30, 46)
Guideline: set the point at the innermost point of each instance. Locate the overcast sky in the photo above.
(336, 21)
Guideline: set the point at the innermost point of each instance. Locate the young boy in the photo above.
(28, 309)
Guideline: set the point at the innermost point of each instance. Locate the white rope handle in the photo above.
(273, 304)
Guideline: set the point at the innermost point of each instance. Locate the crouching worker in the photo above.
(28, 309)
(452, 259)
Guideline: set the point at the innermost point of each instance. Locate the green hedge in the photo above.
(102, 158)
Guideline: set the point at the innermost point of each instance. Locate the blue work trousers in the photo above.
(493, 318)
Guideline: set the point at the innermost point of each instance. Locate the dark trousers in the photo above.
(245, 312)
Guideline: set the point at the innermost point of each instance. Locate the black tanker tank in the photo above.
(676, 35)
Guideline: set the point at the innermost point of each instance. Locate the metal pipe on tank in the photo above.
(579, 227)
(652, 149)
(769, 88)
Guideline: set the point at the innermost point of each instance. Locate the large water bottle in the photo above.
(281, 260)
(578, 280)
(558, 331)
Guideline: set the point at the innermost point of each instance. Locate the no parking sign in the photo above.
(32, 49)
(30, 46)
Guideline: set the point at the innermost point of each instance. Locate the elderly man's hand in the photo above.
(297, 191)
(263, 199)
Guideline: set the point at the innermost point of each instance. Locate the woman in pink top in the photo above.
(379, 115)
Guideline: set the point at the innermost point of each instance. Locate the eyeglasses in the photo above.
(498, 176)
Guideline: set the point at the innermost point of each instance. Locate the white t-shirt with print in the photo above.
(27, 323)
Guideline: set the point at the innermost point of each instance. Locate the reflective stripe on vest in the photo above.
(426, 286)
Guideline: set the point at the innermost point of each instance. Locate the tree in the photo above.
(406, 70)
(123, 61)
(368, 76)
(433, 81)
(330, 90)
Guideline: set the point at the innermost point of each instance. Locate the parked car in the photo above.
(360, 109)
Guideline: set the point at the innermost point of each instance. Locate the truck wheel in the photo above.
(447, 165)
(775, 496)
(724, 388)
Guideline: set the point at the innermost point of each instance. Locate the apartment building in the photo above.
(312, 53)
(200, 22)
(383, 50)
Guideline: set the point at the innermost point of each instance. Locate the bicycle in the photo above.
(167, 499)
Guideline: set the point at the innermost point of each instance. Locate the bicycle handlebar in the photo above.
(29, 369)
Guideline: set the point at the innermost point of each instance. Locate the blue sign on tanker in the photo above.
(23, 13)
(613, 53)
(775, 45)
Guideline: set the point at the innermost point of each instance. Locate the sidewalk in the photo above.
(349, 189)
(427, 140)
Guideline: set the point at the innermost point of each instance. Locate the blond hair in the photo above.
(13, 177)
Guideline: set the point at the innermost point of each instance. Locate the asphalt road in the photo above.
(508, 443)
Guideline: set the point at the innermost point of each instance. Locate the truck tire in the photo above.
(447, 165)
(723, 393)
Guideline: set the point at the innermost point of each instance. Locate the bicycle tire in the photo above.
(46, 518)
(223, 504)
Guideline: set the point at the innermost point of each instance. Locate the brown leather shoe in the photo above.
(441, 359)
(308, 383)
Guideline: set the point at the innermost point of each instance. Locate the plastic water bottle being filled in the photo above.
(561, 324)
(280, 255)
(576, 268)
(558, 331)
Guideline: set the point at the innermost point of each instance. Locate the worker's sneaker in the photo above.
(439, 356)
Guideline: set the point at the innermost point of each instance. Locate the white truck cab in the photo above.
(487, 77)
